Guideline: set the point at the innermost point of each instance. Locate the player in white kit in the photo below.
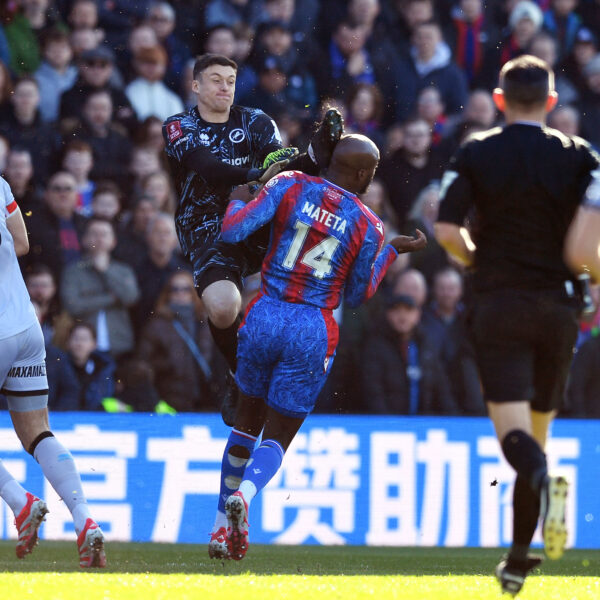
(23, 381)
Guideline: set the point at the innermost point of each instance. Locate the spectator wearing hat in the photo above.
(524, 21)
(589, 105)
(162, 18)
(402, 373)
(56, 74)
(95, 70)
(147, 93)
(584, 49)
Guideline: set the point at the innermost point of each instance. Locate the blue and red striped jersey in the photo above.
(324, 241)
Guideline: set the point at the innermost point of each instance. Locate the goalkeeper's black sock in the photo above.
(526, 457)
(526, 510)
(227, 341)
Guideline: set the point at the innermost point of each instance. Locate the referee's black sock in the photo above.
(526, 457)
(526, 510)
(227, 341)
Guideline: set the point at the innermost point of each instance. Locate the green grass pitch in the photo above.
(182, 572)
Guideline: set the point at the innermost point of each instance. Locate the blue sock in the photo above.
(232, 467)
(262, 466)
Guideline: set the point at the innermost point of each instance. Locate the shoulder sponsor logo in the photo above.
(237, 135)
(174, 130)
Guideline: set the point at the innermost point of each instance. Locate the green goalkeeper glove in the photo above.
(279, 155)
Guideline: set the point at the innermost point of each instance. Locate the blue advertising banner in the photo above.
(399, 481)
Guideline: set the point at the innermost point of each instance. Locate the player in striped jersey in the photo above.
(325, 244)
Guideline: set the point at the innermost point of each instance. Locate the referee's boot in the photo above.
(326, 136)
(511, 573)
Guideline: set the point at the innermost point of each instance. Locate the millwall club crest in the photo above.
(237, 135)
(174, 131)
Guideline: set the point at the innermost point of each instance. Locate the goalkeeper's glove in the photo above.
(277, 155)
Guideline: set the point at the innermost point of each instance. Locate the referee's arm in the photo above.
(455, 202)
(582, 244)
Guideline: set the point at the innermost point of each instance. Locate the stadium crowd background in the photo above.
(84, 88)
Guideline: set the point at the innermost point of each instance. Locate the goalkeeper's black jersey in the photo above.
(243, 141)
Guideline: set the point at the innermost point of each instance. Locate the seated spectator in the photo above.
(149, 134)
(423, 216)
(430, 107)
(566, 119)
(394, 140)
(131, 235)
(583, 386)
(544, 46)
(162, 18)
(365, 110)
(24, 31)
(106, 201)
(91, 371)
(99, 290)
(428, 64)
(243, 45)
(148, 95)
(78, 160)
(110, 144)
(56, 228)
(589, 104)
(19, 174)
(23, 126)
(144, 161)
(406, 16)
(56, 73)
(561, 21)
(524, 22)
(117, 17)
(584, 49)
(84, 40)
(139, 37)
(177, 344)
(95, 71)
(402, 373)
(275, 91)
(160, 262)
(41, 285)
(300, 16)
(471, 35)
(83, 14)
(411, 283)
(411, 168)
(377, 199)
(158, 186)
(232, 12)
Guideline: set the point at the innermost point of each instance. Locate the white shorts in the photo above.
(23, 370)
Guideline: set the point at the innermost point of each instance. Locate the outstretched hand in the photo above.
(274, 169)
(407, 243)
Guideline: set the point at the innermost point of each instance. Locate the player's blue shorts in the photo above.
(285, 353)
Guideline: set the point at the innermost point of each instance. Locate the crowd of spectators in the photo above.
(84, 88)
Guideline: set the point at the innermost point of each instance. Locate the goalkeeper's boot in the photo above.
(236, 510)
(217, 547)
(553, 501)
(512, 573)
(28, 522)
(325, 138)
(90, 543)
(229, 401)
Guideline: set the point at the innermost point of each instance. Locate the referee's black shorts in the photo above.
(524, 345)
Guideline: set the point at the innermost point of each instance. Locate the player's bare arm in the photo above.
(16, 226)
(582, 250)
(407, 243)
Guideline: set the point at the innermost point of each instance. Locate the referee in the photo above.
(519, 188)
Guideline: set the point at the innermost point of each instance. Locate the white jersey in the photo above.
(16, 311)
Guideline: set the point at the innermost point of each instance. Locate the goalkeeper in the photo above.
(212, 148)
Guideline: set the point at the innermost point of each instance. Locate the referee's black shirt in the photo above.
(520, 185)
